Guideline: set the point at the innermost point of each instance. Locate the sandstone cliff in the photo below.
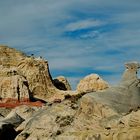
(9, 57)
(29, 78)
(26, 77)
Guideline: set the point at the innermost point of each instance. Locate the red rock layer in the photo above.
(11, 103)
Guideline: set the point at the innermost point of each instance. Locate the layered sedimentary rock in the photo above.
(92, 83)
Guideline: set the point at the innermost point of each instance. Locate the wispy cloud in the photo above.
(83, 24)
(90, 34)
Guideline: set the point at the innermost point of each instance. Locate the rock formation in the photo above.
(41, 84)
(7, 125)
(38, 76)
(111, 114)
(24, 111)
(61, 83)
(13, 86)
(94, 111)
(91, 83)
(9, 57)
(26, 78)
(49, 122)
(123, 97)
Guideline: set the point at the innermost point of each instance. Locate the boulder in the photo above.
(91, 83)
(4, 112)
(24, 110)
(13, 118)
(49, 122)
(61, 83)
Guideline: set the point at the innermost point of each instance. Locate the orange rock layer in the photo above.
(11, 103)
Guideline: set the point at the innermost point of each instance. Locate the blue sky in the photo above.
(77, 37)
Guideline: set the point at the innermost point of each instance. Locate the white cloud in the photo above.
(83, 24)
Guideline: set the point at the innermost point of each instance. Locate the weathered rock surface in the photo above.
(26, 77)
(9, 57)
(49, 122)
(39, 79)
(92, 83)
(106, 113)
(103, 115)
(30, 79)
(24, 111)
(4, 112)
(15, 86)
(7, 125)
(61, 83)
(100, 114)
(125, 96)
(40, 82)
(13, 119)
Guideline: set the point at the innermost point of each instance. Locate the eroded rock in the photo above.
(61, 83)
(26, 77)
(92, 83)
(123, 97)
(8, 125)
(10, 57)
(49, 122)
(15, 87)
(110, 114)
